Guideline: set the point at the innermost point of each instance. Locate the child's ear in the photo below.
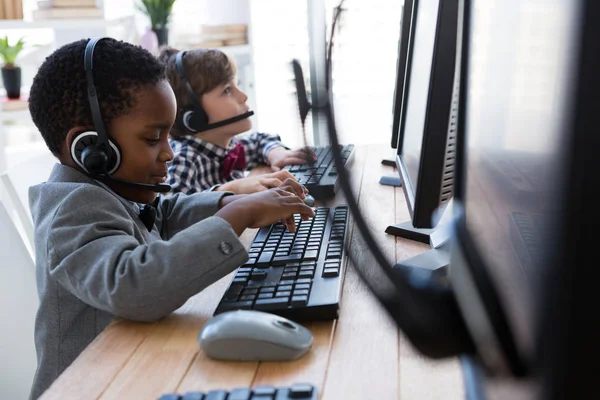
(71, 134)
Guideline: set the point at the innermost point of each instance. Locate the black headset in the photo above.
(93, 151)
(195, 119)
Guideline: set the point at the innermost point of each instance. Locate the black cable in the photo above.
(337, 12)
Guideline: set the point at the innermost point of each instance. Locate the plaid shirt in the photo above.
(197, 164)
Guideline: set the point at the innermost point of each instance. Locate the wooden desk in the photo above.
(362, 355)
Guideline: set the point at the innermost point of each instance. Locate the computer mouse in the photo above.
(245, 335)
(309, 200)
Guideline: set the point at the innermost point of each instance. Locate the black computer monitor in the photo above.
(401, 64)
(525, 266)
(401, 75)
(426, 143)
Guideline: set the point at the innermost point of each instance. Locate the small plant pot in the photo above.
(162, 34)
(11, 78)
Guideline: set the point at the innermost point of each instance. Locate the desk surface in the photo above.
(362, 355)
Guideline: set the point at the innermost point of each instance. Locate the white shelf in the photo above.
(66, 23)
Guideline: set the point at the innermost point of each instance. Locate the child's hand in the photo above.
(265, 208)
(280, 157)
(257, 183)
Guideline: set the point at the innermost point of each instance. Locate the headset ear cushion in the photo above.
(194, 120)
(83, 147)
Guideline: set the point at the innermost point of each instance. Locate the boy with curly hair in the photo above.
(97, 257)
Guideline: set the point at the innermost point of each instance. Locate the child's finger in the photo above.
(270, 182)
(283, 175)
(294, 187)
(308, 155)
(290, 224)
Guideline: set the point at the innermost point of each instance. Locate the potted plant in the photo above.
(159, 12)
(11, 74)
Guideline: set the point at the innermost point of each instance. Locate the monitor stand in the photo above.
(436, 259)
(434, 237)
(408, 231)
(390, 180)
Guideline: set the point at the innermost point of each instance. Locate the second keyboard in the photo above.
(321, 178)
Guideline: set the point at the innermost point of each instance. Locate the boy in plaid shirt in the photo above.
(209, 157)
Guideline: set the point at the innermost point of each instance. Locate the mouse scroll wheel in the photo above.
(285, 324)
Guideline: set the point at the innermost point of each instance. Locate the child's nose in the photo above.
(166, 154)
(243, 97)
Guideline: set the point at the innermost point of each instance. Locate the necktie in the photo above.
(235, 159)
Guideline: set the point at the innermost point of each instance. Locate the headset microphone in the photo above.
(187, 119)
(159, 187)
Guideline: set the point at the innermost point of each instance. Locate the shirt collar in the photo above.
(207, 148)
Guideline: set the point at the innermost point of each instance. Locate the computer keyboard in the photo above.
(321, 178)
(295, 275)
(297, 391)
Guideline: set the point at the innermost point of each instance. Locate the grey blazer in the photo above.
(95, 260)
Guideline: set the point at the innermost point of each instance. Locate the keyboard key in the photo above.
(282, 394)
(306, 274)
(193, 396)
(303, 286)
(283, 294)
(233, 292)
(311, 255)
(238, 305)
(262, 235)
(275, 303)
(266, 295)
(299, 301)
(250, 263)
(240, 394)
(264, 391)
(330, 272)
(282, 260)
(265, 258)
(284, 288)
(300, 391)
(175, 397)
(218, 395)
(258, 275)
(302, 292)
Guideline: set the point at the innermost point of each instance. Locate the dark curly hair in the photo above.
(58, 96)
(205, 68)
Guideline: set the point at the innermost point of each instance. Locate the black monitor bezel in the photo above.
(567, 325)
(425, 197)
(402, 65)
